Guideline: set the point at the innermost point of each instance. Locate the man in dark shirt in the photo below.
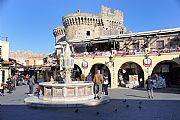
(149, 87)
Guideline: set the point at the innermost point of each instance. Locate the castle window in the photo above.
(88, 33)
(160, 44)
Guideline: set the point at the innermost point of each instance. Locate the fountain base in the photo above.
(34, 101)
(75, 94)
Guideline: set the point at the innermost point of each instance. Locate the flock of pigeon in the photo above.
(116, 110)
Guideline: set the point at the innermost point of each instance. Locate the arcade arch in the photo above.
(131, 75)
(104, 70)
(169, 70)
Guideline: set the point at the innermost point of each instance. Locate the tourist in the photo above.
(83, 77)
(98, 80)
(2, 87)
(105, 84)
(77, 76)
(58, 78)
(14, 79)
(89, 77)
(31, 84)
(39, 88)
(149, 87)
(9, 85)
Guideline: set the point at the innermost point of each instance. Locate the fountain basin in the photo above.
(75, 91)
(74, 94)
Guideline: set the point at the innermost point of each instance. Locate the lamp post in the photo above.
(110, 61)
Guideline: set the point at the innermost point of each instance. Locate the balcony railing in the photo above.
(127, 52)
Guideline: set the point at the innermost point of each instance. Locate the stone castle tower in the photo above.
(79, 26)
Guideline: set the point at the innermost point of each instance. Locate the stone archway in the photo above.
(131, 75)
(104, 70)
(169, 70)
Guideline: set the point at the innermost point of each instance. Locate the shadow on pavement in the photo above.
(117, 109)
(163, 90)
(138, 96)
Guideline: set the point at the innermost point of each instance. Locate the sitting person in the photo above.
(59, 78)
(2, 87)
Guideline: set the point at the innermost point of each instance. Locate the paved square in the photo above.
(164, 106)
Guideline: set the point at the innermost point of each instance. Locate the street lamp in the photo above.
(111, 60)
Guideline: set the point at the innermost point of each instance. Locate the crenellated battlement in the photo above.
(81, 19)
(60, 30)
(114, 19)
(80, 25)
(116, 15)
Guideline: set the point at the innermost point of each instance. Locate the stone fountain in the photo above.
(67, 94)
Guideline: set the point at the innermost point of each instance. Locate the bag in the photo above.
(106, 82)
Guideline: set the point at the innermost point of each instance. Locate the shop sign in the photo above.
(147, 62)
(84, 64)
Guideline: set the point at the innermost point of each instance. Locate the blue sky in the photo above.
(29, 24)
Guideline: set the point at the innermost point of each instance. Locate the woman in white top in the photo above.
(105, 84)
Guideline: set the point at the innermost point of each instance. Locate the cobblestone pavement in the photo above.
(164, 106)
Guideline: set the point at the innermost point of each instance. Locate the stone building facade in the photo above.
(4, 61)
(107, 46)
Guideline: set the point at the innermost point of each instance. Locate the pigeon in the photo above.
(97, 113)
(77, 110)
(140, 107)
(115, 110)
(127, 106)
(140, 102)
(124, 101)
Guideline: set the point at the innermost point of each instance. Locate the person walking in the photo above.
(98, 80)
(105, 84)
(31, 84)
(149, 87)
